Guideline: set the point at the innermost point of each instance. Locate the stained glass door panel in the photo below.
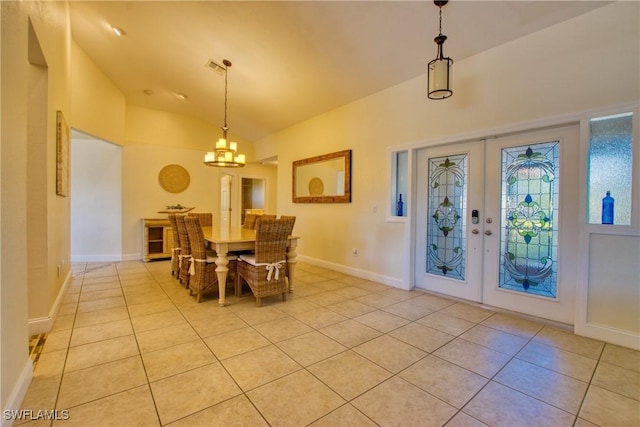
(532, 194)
(446, 220)
(529, 226)
(449, 249)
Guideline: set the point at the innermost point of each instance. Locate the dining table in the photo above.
(227, 240)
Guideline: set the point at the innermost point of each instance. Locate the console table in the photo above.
(157, 238)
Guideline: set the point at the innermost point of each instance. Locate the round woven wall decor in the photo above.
(316, 186)
(174, 178)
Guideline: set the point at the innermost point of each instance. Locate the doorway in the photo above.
(495, 221)
(96, 199)
(253, 196)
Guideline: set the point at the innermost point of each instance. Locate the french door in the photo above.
(496, 221)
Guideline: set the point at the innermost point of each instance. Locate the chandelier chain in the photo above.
(225, 97)
(225, 153)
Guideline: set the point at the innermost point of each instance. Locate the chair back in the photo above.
(263, 216)
(174, 231)
(196, 237)
(206, 218)
(249, 221)
(291, 220)
(183, 236)
(271, 240)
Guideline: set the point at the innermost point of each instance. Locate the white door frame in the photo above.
(506, 131)
(581, 322)
(562, 308)
(469, 288)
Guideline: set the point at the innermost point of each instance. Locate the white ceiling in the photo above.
(291, 59)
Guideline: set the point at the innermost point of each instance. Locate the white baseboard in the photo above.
(18, 393)
(608, 334)
(363, 274)
(107, 258)
(41, 325)
(97, 258)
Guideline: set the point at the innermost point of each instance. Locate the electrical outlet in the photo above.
(375, 208)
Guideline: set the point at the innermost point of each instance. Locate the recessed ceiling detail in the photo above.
(118, 31)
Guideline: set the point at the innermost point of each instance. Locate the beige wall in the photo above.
(54, 35)
(155, 139)
(547, 74)
(98, 106)
(152, 139)
(23, 112)
(143, 197)
(155, 127)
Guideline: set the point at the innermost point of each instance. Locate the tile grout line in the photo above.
(593, 374)
(135, 337)
(71, 337)
(492, 379)
(218, 361)
(68, 349)
(290, 315)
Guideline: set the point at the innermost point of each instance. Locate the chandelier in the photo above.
(439, 70)
(225, 153)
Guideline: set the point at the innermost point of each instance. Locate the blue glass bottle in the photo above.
(607, 209)
(400, 207)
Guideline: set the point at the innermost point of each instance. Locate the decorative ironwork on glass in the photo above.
(529, 208)
(446, 222)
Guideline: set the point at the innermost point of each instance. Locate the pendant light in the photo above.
(225, 153)
(439, 70)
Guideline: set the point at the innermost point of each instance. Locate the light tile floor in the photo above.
(130, 347)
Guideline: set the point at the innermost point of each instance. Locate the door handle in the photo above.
(475, 231)
(487, 232)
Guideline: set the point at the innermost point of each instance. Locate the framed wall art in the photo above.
(62, 155)
(323, 179)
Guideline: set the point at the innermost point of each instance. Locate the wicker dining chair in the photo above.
(202, 270)
(291, 220)
(249, 221)
(264, 270)
(185, 251)
(263, 216)
(205, 218)
(175, 250)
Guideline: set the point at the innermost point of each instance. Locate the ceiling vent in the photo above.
(218, 68)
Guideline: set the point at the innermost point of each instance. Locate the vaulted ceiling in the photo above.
(291, 60)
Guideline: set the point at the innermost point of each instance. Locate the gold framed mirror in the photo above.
(323, 179)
